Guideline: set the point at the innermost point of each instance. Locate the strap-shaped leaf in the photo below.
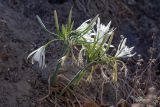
(56, 21)
(77, 77)
(43, 26)
(69, 20)
(53, 77)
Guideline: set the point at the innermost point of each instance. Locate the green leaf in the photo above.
(110, 41)
(69, 20)
(53, 77)
(71, 27)
(56, 21)
(73, 81)
(63, 31)
(43, 26)
(40, 21)
(77, 77)
(93, 21)
(99, 50)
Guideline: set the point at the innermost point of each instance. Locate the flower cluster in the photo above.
(94, 35)
(98, 34)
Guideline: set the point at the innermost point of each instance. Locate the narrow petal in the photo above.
(38, 56)
(107, 27)
(123, 43)
(32, 53)
(98, 25)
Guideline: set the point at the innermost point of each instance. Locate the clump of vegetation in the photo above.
(88, 46)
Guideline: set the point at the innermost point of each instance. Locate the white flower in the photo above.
(124, 51)
(89, 33)
(102, 30)
(91, 36)
(38, 56)
(88, 37)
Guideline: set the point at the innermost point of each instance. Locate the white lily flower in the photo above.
(38, 56)
(87, 35)
(124, 51)
(101, 32)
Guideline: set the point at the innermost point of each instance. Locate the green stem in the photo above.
(44, 27)
(53, 77)
(52, 41)
(74, 78)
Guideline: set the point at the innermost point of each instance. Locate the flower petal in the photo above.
(38, 56)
